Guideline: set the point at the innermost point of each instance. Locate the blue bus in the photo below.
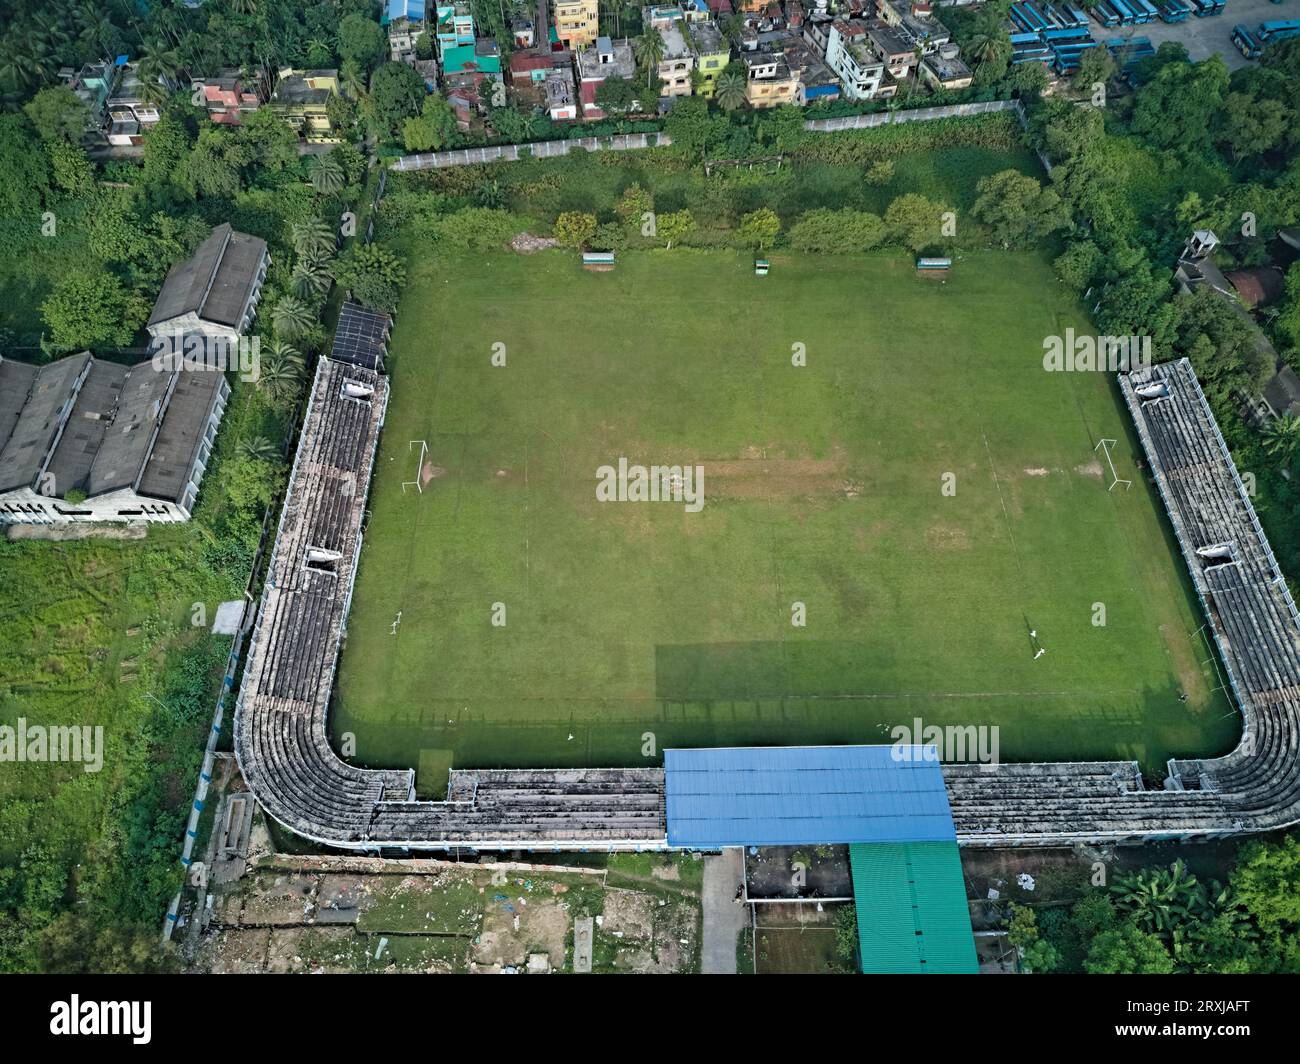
(1247, 43)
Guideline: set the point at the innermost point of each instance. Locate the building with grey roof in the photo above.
(87, 440)
(215, 291)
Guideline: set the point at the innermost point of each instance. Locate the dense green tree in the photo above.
(360, 39)
(836, 232)
(674, 227)
(58, 114)
(758, 229)
(396, 94)
(616, 96)
(915, 222)
(1017, 209)
(1126, 950)
(574, 228)
(91, 310)
(373, 274)
(1177, 108)
(433, 129)
(24, 171)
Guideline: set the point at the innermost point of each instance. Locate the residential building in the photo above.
(230, 95)
(528, 68)
(521, 29)
(85, 440)
(849, 55)
(406, 21)
(130, 113)
(892, 49)
(712, 53)
(301, 99)
(561, 94)
(608, 59)
(93, 84)
(454, 26)
(577, 22)
(428, 71)
(215, 291)
(916, 24)
(483, 57)
(770, 82)
(817, 82)
(942, 71)
(678, 60)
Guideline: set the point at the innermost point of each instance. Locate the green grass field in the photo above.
(822, 486)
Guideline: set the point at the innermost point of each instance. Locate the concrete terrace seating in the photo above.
(281, 734)
(282, 740)
(1256, 787)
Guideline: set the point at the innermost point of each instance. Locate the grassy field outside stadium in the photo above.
(823, 486)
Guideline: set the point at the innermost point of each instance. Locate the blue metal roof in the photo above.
(791, 795)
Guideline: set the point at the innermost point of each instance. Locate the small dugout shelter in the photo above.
(761, 266)
(599, 261)
(933, 266)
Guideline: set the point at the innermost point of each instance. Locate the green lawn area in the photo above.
(822, 486)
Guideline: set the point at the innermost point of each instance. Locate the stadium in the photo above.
(283, 736)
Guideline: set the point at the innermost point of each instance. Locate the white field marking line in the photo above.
(901, 695)
(528, 569)
(1214, 660)
(1015, 550)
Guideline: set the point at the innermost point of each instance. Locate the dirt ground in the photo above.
(444, 918)
(512, 931)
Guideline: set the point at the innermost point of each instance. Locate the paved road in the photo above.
(723, 918)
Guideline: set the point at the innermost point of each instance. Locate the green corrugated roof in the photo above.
(912, 912)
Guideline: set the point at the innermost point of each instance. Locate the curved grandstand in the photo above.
(282, 740)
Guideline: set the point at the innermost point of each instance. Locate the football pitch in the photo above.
(920, 494)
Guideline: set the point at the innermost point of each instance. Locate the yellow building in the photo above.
(301, 99)
(770, 82)
(577, 22)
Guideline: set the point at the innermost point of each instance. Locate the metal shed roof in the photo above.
(911, 906)
(790, 795)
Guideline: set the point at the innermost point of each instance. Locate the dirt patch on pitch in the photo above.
(778, 478)
(946, 537)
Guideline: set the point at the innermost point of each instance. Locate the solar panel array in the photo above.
(361, 338)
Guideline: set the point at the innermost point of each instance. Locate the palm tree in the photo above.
(281, 370)
(649, 49)
(988, 39)
(292, 317)
(730, 90)
(245, 7)
(159, 66)
(310, 278)
(353, 79)
(312, 238)
(327, 175)
(1282, 437)
(17, 68)
(259, 449)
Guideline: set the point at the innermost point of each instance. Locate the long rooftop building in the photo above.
(282, 741)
